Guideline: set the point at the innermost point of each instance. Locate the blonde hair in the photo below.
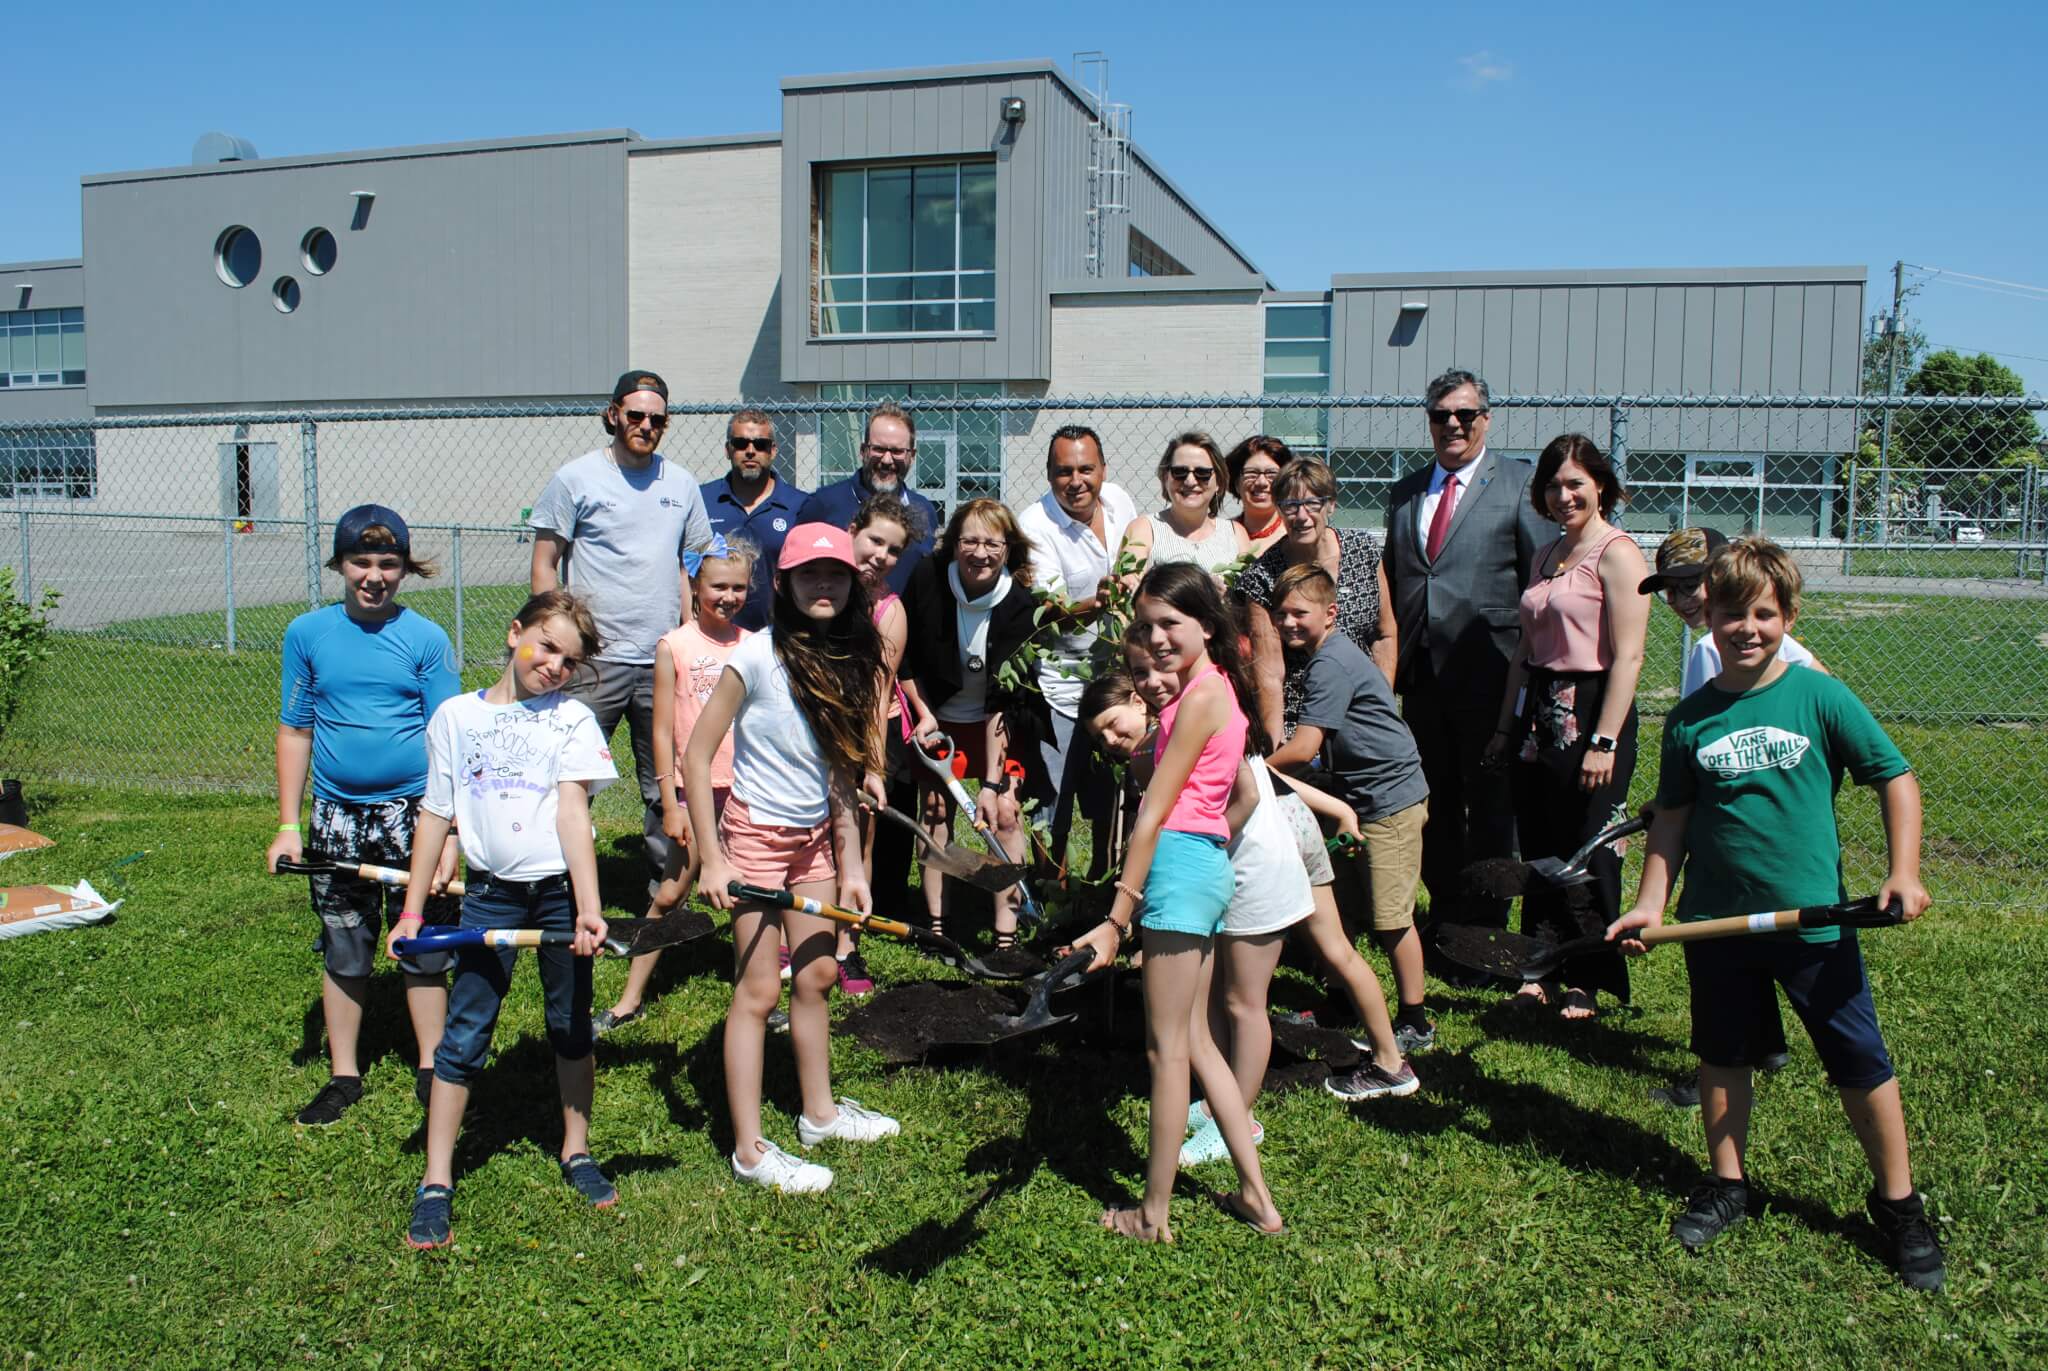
(1309, 581)
(997, 516)
(1740, 573)
(738, 548)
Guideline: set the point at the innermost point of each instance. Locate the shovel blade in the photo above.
(1559, 874)
(1497, 951)
(978, 869)
(651, 935)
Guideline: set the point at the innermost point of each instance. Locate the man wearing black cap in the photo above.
(622, 517)
(360, 681)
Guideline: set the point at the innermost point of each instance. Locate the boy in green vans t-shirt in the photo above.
(1746, 799)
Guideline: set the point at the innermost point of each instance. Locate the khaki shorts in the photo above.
(1387, 874)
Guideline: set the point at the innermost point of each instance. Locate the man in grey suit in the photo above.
(1460, 538)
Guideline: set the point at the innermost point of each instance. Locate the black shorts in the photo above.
(1732, 982)
(352, 910)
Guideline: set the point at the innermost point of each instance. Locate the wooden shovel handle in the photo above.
(1785, 920)
(783, 899)
(392, 875)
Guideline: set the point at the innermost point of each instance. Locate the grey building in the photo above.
(953, 232)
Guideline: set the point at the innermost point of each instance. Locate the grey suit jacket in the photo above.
(1459, 616)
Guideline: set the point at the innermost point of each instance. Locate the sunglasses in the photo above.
(1201, 476)
(1464, 416)
(751, 444)
(634, 418)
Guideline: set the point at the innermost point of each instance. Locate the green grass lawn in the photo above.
(1939, 560)
(159, 1208)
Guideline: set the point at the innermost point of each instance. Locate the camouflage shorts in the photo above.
(352, 910)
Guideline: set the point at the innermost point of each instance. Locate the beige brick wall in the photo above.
(703, 257)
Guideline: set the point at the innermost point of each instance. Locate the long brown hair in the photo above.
(1192, 590)
(835, 673)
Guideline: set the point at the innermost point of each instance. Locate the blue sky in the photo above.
(1324, 139)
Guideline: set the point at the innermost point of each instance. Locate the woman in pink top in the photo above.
(687, 663)
(1569, 711)
(1175, 869)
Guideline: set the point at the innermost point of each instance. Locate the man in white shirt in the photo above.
(620, 518)
(1075, 529)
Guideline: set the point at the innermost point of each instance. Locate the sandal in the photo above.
(604, 1022)
(1578, 1006)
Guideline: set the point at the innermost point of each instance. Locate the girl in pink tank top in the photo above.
(1177, 881)
(687, 664)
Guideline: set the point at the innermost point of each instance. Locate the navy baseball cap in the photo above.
(348, 530)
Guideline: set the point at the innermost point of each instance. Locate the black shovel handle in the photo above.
(1627, 828)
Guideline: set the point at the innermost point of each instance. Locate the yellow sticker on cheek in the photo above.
(526, 654)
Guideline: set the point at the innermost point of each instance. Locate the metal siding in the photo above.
(1496, 353)
(1731, 306)
(1552, 357)
(1755, 378)
(1639, 338)
(1582, 341)
(1696, 367)
(434, 298)
(1468, 330)
(1611, 356)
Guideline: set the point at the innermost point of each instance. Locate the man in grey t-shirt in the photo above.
(621, 518)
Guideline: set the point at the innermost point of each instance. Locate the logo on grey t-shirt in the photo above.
(1754, 749)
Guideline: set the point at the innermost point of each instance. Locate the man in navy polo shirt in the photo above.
(887, 453)
(751, 501)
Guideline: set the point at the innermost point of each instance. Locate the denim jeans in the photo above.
(483, 974)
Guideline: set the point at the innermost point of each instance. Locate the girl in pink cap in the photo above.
(801, 701)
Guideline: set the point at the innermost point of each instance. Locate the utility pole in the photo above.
(1891, 388)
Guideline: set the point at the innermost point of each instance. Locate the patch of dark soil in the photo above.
(1304, 1043)
(1013, 961)
(1296, 1076)
(904, 1022)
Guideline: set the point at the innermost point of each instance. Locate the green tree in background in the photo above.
(1946, 438)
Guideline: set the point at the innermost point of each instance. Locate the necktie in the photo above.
(1441, 524)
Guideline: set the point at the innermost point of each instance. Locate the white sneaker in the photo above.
(852, 1123)
(780, 1172)
(1207, 1144)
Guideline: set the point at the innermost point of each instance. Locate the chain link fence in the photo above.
(184, 543)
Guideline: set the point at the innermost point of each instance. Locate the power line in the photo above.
(1961, 347)
(1986, 280)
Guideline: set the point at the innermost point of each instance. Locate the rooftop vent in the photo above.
(221, 147)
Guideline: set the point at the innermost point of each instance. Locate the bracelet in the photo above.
(1137, 896)
(663, 775)
(291, 828)
(1123, 931)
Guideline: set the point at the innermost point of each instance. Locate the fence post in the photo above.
(227, 556)
(456, 558)
(1617, 437)
(309, 478)
(1849, 522)
(28, 571)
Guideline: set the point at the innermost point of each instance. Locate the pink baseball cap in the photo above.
(815, 543)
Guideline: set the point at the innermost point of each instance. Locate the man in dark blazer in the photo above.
(1457, 576)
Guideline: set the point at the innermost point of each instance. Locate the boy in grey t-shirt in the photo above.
(1368, 758)
(622, 517)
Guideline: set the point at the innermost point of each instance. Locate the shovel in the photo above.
(316, 865)
(623, 937)
(1514, 956)
(1503, 878)
(935, 945)
(1038, 1009)
(978, 869)
(939, 760)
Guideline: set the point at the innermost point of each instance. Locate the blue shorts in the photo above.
(1733, 999)
(1189, 885)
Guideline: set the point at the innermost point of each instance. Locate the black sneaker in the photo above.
(1683, 1093)
(1370, 1081)
(1714, 1207)
(333, 1101)
(432, 1218)
(1414, 1038)
(1776, 1061)
(423, 1085)
(778, 1021)
(1910, 1238)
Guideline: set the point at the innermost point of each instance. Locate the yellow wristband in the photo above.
(291, 828)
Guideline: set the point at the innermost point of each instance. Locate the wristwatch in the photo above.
(1600, 742)
(1000, 785)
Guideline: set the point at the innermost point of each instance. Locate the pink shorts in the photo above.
(719, 795)
(771, 855)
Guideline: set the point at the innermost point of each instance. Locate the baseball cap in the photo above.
(815, 543)
(1683, 556)
(638, 380)
(348, 530)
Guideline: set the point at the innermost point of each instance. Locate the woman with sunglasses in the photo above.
(1191, 477)
(1254, 465)
(1304, 494)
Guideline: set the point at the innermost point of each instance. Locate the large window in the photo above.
(49, 465)
(959, 452)
(1298, 363)
(906, 250)
(45, 347)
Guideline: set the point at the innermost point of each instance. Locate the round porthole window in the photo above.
(284, 293)
(317, 251)
(237, 256)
